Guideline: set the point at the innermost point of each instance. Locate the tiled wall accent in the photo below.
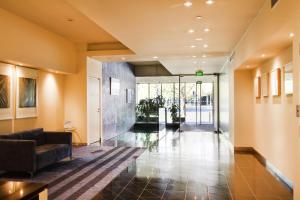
(118, 116)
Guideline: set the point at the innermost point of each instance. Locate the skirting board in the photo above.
(270, 167)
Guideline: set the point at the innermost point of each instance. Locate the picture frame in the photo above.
(276, 82)
(114, 86)
(257, 87)
(129, 95)
(6, 91)
(265, 84)
(26, 93)
(288, 79)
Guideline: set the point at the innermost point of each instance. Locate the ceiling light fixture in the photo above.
(188, 4)
(155, 57)
(123, 58)
(191, 31)
(193, 46)
(292, 35)
(204, 56)
(194, 56)
(205, 45)
(199, 39)
(248, 66)
(263, 55)
(210, 2)
(206, 30)
(199, 17)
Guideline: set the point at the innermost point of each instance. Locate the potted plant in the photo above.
(174, 112)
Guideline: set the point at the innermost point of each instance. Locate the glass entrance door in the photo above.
(198, 103)
(204, 104)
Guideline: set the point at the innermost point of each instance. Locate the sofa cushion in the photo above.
(11, 136)
(50, 153)
(35, 134)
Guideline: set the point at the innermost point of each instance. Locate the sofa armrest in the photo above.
(17, 155)
(58, 137)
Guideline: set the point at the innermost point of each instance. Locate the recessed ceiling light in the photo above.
(205, 45)
(123, 58)
(199, 17)
(191, 31)
(204, 56)
(155, 57)
(209, 2)
(206, 30)
(263, 55)
(194, 56)
(248, 66)
(292, 35)
(188, 4)
(199, 39)
(193, 46)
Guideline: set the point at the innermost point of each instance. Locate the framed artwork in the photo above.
(288, 79)
(265, 85)
(114, 86)
(257, 87)
(129, 95)
(6, 91)
(26, 97)
(276, 82)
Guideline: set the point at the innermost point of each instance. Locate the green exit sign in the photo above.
(199, 73)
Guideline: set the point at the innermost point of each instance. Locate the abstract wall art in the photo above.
(276, 82)
(26, 99)
(6, 88)
(265, 85)
(114, 86)
(288, 79)
(257, 87)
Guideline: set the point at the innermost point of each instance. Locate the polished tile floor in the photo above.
(193, 165)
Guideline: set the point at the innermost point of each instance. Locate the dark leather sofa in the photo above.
(29, 151)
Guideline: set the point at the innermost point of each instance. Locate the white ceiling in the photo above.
(148, 27)
(160, 28)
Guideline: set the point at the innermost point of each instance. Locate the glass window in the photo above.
(155, 90)
(142, 92)
(168, 93)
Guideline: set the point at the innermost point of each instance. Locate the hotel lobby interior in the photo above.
(149, 99)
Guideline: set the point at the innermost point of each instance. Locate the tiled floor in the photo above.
(193, 165)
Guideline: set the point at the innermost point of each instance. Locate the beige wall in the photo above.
(275, 126)
(76, 100)
(26, 43)
(243, 108)
(50, 108)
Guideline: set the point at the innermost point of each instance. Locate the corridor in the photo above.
(192, 166)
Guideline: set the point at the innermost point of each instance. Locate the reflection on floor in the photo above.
(190, 165)
(197, 128)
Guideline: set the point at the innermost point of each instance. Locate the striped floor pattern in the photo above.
(87, 174)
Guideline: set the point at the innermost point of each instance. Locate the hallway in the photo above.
(190, 165)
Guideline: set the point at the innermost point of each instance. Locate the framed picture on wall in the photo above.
(6, 91)
(276, 82)
(26, 96)
(288, 79)
(257, 86)
(114, 86)
(129, 95)
(265, 84)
